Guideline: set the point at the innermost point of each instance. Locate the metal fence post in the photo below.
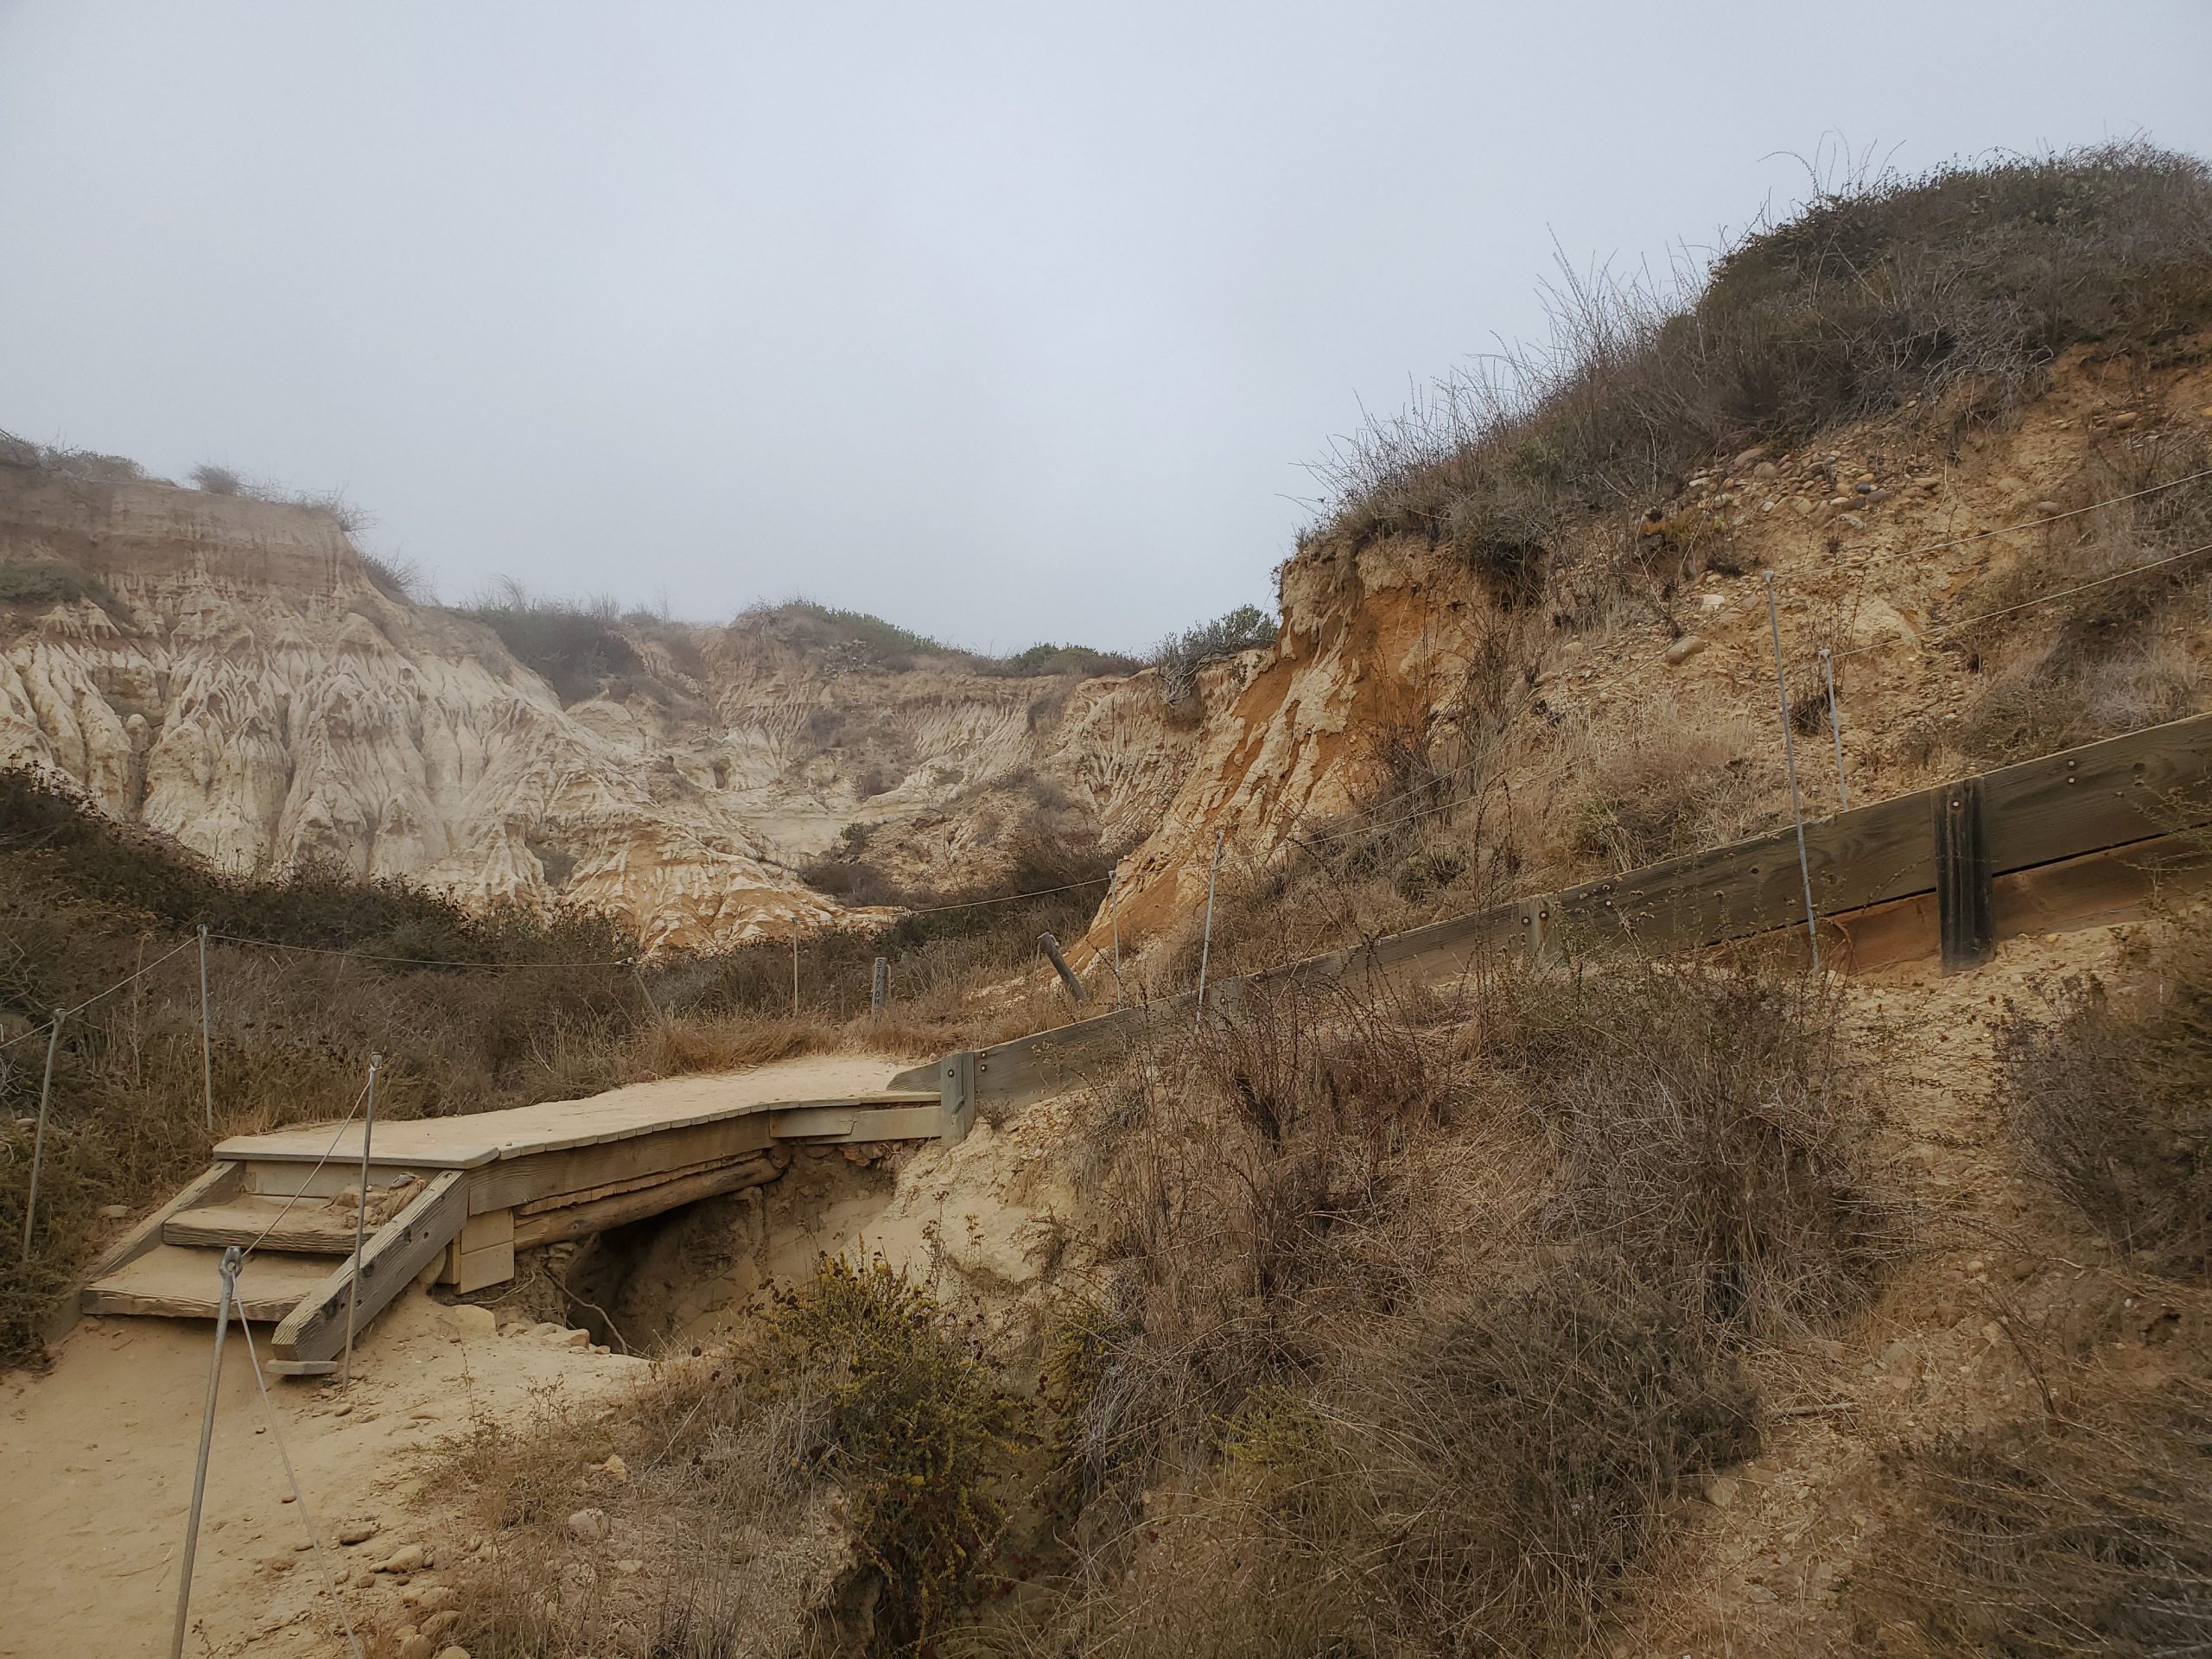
(228, 1269)
(207, 1053)
(1789, 755)
(1205, 943)
(38, 1140)
(1113, 910)
(360, 1222)
(879, 989)
(1835, 730)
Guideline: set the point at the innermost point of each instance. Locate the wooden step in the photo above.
(174, 1282)
(310, 1227)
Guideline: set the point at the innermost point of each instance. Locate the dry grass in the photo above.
(1414, 1318)
(830, 1486)
(2107, 1090)
(1680, 788)
(2120, 656)
(1709, 1124)
(1959, 288)
(2088, 1532)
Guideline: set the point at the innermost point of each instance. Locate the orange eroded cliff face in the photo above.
(1629, 712)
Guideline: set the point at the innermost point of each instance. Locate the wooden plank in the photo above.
(1857, 858)
(615, 1188)
(402, 1248)
(2126, 788)
(473, 1270)
(576, 1220)
(1966, 917)
(956, 1095)
(830, 1125)
(308, 1230)
(518, 1181)
(168, 1282)
(471, 1139)
(814, 1123)
(221, 1181)
(481, 1231)
(2117, 884)
(285, 1181)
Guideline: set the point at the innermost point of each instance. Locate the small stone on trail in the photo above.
(1721, 1492)
(407, 1558)
(615, 1469)
(452, 1653)
(1685, 648)
(357, 1532)
(587, 1526)
(114, 1212)
(415, 1645)
(575, 1339)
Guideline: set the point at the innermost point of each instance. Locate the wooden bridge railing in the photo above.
(1931, 870)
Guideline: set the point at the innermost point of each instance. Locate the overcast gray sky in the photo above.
(1008, 322)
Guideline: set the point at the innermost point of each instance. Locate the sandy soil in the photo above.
(100, 1453)
(1759, 1564)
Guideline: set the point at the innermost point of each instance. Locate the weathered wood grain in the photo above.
(402, 1248)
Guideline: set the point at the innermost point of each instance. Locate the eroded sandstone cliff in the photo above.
(226, 671)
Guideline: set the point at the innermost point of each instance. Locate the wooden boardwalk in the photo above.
(454, 1197)
(2100, 830)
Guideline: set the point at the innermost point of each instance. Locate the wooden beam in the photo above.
(576, 1220)
(402, 1248)
(514, 1182)
(2146, 784)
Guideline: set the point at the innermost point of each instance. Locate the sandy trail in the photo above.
(98, 1452)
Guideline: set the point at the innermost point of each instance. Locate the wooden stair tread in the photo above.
(310, 1226)
(181, 1283)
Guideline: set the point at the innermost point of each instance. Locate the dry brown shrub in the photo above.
(1248, 1195)
(2121, 655)
(726, 1042)
(1416, 1318)
(1709, 1124)
(1676, 787)
(829, 1486)
(2107, 1090)
(1476, 1479)
(2088, 1532)
(1960, 287)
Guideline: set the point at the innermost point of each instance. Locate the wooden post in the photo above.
(1050, 947)
(880, 987)
(1965, 885)
(794, 967)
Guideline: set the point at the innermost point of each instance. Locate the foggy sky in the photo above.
(1008, 322)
